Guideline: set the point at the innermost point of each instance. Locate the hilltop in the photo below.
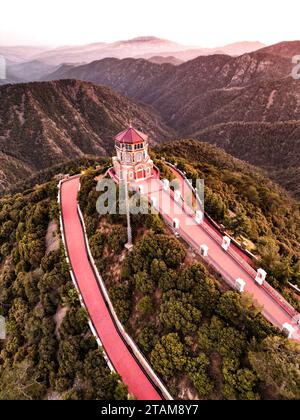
(204, 340)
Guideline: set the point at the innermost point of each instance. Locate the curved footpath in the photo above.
(132, 370)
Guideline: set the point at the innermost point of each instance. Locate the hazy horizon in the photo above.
(121, 40)
(190, 22)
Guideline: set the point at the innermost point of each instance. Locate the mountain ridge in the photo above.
(143, 46)
(49, 122)
(213, 92)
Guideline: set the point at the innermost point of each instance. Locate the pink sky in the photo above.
(206, 23)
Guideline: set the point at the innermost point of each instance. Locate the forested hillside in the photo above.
(209, 90)
(203, 339)
(49, 352)
(43, 124)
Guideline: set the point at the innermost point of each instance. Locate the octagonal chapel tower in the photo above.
(132, 158)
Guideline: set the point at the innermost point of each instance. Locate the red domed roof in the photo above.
(131, 136)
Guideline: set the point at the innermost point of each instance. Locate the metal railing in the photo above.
(280, 300)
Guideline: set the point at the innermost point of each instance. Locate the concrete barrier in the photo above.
(176, 223)
(240, 285)
(288, 330)
(204, 250)
(199, 216)
(226, 243)
(260, 276)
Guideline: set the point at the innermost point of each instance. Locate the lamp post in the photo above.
(128, 245)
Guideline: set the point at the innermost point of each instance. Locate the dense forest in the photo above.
(49, 352)
(204, 340)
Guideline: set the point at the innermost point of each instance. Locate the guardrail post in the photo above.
(204, 250)
(260, 276)
(226, 243)
(153, 202)
(240, 285)
(199, 216)
(288, 330)
(166, 184)
(296, 319)
(177, 195)
(176, 223)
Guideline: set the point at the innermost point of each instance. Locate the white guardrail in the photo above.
(210, 219)
(126, 338)
(276, 296)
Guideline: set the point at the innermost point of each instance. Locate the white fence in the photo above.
(276, 296)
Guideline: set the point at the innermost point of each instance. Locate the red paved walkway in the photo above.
(121, 358)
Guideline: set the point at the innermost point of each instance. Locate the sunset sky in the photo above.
(207, 23)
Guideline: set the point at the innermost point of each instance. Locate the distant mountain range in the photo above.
(20, 53)
(157, 59)
(47, 123)
(32, 71)
(141, 47)
(209, 89)
(33, 63)
(200, 93)
(249, 105)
